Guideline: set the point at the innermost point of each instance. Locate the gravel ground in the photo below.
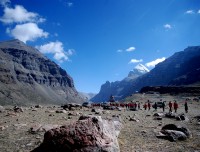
(15, 135)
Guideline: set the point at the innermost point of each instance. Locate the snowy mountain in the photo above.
(118, 88)
(138, 70)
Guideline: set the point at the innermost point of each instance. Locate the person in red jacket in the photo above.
(175, 106)
(145, 106)
(170, 106)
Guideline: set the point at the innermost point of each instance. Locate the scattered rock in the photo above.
(18, 109)
(89, 134)
(170, 115)
(2, 109)
(133, 119)
(3, 128)
(158, 114)
(38, 106)
(97, 111)
(172, 132)
(182, 117)
(157, 118)
(61, 111)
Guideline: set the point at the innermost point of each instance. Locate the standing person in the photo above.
(149, 105)
(145, 106)
(175, 106)
(186, 107)
(138, 106)
(155, 106)
(163, 106)
(170, 106)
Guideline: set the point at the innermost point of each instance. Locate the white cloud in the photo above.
(153, 63)
(4, 3)
(27, 32)
(19, 15)
(189, 12)
(130, 49)
(167, 26)
(56, 48)
(198, 12)
(135, 61)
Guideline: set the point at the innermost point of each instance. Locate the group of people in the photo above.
(147, 105)
(171, 105)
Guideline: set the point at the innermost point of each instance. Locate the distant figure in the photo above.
(186, 107)
(175, 106)
(170, 106)
(155, 106)
(149, 105)
(135, 105)
(163, 106)
(145, 106)
(138, 106)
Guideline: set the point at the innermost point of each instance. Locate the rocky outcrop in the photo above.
(27, 76)
(88, 134)
(182, 68)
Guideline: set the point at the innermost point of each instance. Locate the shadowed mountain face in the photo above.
(182, 68)
(119, 88)
(27, 76)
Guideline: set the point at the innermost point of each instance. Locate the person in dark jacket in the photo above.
(186, 107)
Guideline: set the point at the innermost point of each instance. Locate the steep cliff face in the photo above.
(119, 88)
(27, 76)
(182, 68)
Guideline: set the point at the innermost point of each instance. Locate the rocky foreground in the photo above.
(23, 129)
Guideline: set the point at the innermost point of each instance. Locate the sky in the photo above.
(102, 40)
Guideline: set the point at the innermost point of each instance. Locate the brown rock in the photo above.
(89, 134)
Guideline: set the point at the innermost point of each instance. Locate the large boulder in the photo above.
(173, 132)
(88, 134)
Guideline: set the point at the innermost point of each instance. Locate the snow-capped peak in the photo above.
(141, 68)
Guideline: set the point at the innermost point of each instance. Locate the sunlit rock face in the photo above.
(27, 76)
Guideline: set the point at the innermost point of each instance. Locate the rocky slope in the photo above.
(27, 76)
(118, 88)
(182, 68)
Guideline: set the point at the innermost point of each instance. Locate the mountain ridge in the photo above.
(164, 73)
(27, 76)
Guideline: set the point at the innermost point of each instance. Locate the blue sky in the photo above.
(100, 40)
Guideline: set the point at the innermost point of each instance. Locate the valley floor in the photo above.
(15, 134)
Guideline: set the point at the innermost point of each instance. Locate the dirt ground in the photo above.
(15, 135)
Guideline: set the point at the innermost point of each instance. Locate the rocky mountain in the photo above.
(182, 68)
(27, 76)
(118, 88)
(87, 96)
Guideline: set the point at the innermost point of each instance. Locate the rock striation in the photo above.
(27, 76)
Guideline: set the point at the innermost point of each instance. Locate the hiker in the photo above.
(186, 107)
(155, 106)
(170, 106)
(175, 106)
(145, 106)
(163, 106)
(149, 105)
(138, 106)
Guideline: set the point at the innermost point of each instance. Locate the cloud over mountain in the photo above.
(27, 32)
(153, 63)
(57, 49)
